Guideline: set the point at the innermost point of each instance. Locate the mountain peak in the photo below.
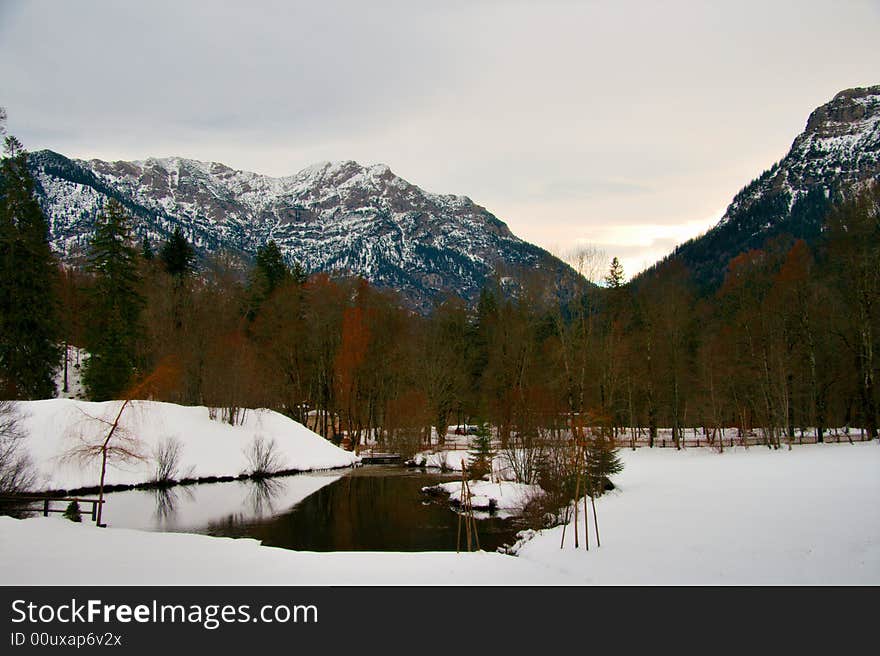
(858, 94)
(852, 115)
(838, 152)
(337, 216)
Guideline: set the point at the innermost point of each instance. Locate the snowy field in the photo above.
(808, 516)
(57, 427)
(30, 555)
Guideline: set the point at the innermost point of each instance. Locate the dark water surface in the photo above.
(371, 508)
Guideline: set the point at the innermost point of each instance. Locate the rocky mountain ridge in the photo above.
(837, 153)
(332, 216)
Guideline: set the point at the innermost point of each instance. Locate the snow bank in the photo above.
(29, 555)
(451, 460)
(454, 459)
(806, 516)
(56, 427)
(506, 496)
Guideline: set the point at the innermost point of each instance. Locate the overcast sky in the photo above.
(628, 126)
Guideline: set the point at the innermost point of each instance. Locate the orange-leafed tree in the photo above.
(348, 365)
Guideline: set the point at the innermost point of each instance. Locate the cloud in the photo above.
(568, 120)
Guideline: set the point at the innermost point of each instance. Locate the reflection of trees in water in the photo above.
(261, 493)
(167, 499)
(258, 504)
(369, 510)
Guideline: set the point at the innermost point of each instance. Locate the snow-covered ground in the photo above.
(806, 516)
(456, 459)
(30, 555)
(57, 427)
(505, 496)
(76, 357)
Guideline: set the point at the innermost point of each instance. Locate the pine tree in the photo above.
(298, 273)
(615, 277)
(177, 255)
(269, 273)
(481, 453)
(114, 324)
(29, 325)
(147, 250)
(603, 462)
(271, 269)
(73, 512)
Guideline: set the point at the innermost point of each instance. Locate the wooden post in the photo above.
(461, 500)
(586, 518)
(562, 542)
(472, 519)
(577, 491)
(45, 507)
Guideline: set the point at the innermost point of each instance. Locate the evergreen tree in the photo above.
(481, 453)
(114, 324)
(29, 325)
(147, 250)
(615, 277)
(603, 461)
(270, 272)
(73, 512)
(177, 255)
(271, 269)
(482, 335)
(298, 273)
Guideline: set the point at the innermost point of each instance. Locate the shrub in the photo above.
(72, 513)
(263, 457)
(167, 455)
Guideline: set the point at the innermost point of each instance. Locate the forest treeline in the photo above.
(786, 341)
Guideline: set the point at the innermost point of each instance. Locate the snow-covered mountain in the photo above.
(334, 216)
(838, 150)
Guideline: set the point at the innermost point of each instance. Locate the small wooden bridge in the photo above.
(380, 458)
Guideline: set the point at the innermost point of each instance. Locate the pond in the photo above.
(370, 508)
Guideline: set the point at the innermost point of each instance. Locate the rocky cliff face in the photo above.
(839, 151)
(332, 217)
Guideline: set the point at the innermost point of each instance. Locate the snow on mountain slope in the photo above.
(333, 216)
(837, 153)
(840, 145)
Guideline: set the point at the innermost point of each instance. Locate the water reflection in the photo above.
(194, 508)
(375, 509)
(167, 499)
(261, 493)
(367, 509)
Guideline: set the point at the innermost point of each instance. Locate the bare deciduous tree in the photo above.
(17, 473)
(118, 444)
